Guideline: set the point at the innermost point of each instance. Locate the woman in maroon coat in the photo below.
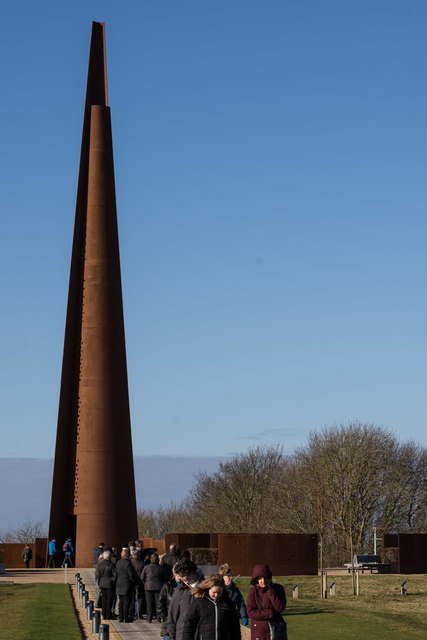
(265, 602)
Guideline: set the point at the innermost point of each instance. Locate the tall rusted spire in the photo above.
(93, 491)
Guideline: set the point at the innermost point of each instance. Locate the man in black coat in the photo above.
(126, 581)
(186, 572)
(100, 548)
(170, 559)
(105, 575)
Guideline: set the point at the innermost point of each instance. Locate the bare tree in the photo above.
(402, 506)
(241, 495)
(345, 481)
(344, 470)
(156, 523)
(26, 532)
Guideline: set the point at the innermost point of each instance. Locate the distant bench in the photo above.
(368, 562)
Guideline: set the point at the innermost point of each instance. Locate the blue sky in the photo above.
(271, 163)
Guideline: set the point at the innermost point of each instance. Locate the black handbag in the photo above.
(278, 629)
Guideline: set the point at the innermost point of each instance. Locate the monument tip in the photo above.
(96, 90)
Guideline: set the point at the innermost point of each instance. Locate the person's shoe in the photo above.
(121, 620)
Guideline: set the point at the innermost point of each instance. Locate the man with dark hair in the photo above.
(140, 550)
(68, 549)
(138, 607)
(27, 555)
(97, 552)
(188, 576)
(52, 552)
(170, 559)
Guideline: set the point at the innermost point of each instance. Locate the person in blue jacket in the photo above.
(68, 549)
(52, 553)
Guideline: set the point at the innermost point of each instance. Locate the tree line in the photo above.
(345, 481)
(26, 532)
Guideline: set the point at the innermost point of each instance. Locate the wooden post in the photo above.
(324, 585)
(358, 582)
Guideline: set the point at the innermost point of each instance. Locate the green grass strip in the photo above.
(379, 613)
(37, 612)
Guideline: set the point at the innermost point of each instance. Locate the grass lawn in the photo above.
(380, 612)
(37, 612)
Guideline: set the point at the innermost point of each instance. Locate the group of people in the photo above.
(186, 603)
(137, 578)
(68, 550)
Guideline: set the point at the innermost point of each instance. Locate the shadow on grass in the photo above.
(305, 611)
(74, 602)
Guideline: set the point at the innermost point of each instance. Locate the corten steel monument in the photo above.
(93, 491)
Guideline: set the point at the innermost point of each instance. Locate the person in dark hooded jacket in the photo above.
(165, 597)
(266, 600)
(233, 592)
(212, 615)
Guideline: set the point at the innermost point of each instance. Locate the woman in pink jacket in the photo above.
(266, 601)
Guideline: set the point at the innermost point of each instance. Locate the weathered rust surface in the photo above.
(412, 552)
(187, 540)
(93, 490)
(12, 553)
(407, 552)
(287, 554)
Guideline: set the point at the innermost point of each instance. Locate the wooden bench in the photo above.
(370, 562)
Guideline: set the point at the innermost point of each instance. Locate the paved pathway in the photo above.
(138, 630)
(39, 575)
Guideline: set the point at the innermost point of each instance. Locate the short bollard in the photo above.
(82, 589)
(295, 590)
(77, 576)
(89, 610)
(96, 618)
(332, 588)
(104, 632)
(403, 588)
(85, 599)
